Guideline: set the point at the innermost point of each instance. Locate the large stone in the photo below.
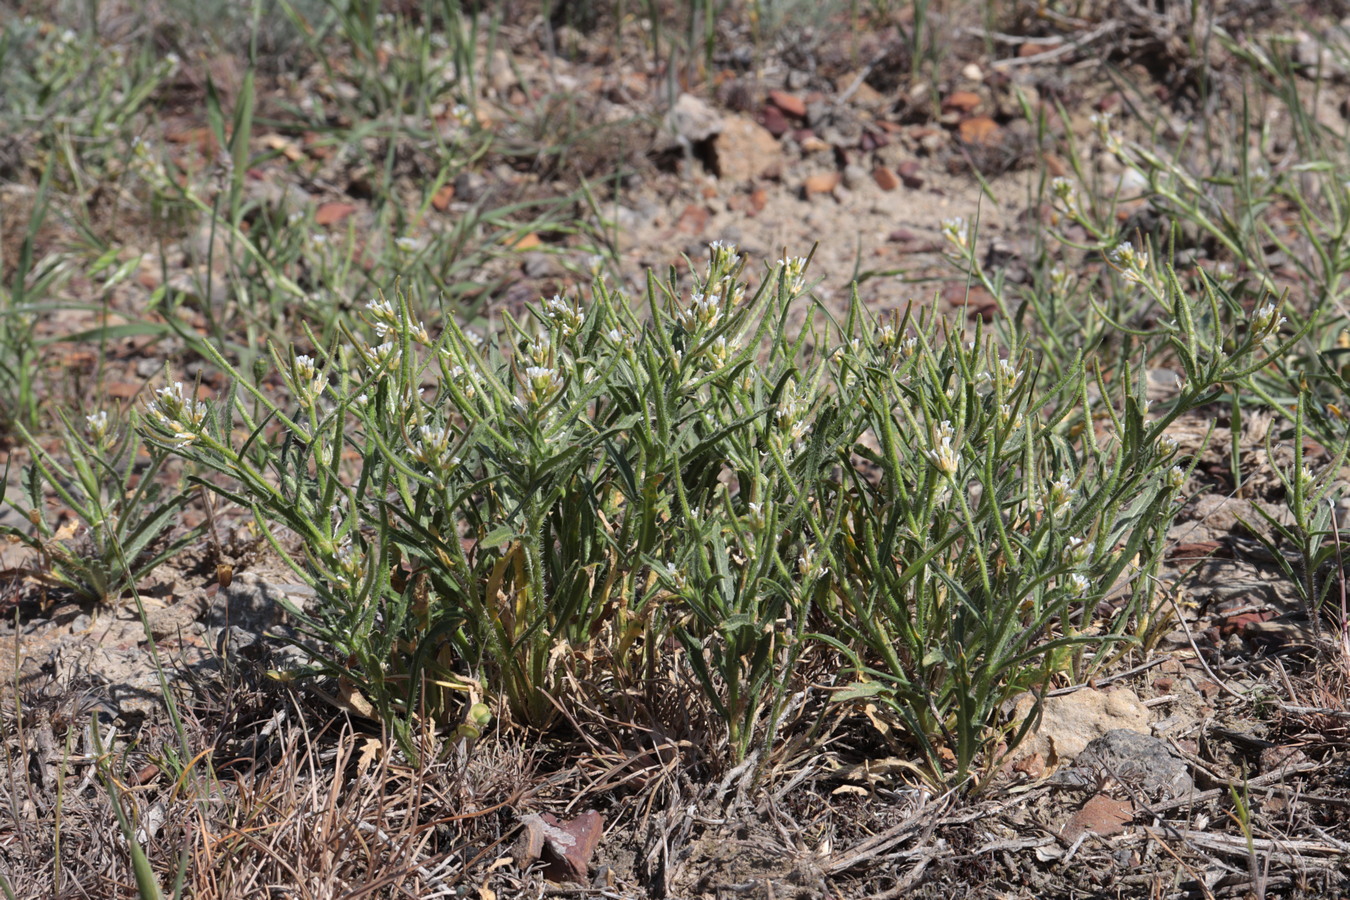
(1070, 722)
(745, 150)
(1134, 762)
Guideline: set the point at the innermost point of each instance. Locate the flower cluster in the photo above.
(1004, 378)
(1060, 280)
(432, 449)
(791, 415)
(1065, 196)
(705, 311)
(542, 384)
(1267, 320)
(386, 320)
(721, 254)
(465, 379)
(567, 316)
(1110, 139)
(957, 232)
(307, 382)
(1059, 499)
(97, 426)
(1078, 551)
(381, 357)
(794, 272)
(351, 563)
(944, 457)
(810, 566)
(1133, 264)
(173, 412)
(720, 352)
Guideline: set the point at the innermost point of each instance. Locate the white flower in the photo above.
(957, 233)
(351, 563)
(382, 316)
(719, 353)
(1176, 477)
(808, 566)
(1059, 279)
(720, 253)
(733, 290)
(542, 383)
(1078, 584)
(1059, 499)
(791, 414)
(382, 356)
(1065, 194)
(1078, 551)
(567, 316)
(1264, 320)
(407, 244)
(1133, 263)
(704, 312)
(433, 449)
(794, 268)
(540, 350)
(97, 425)
(945, 458)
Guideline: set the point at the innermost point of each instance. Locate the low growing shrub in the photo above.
(607, 495)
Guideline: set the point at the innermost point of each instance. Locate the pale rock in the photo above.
(855, 176)
(745, 150)
(500, 74)
(1071, 721)
(691, 121)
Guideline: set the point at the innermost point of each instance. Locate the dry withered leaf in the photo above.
(441, 199)
(287, 148)
(978, 130)
(961, 101)
(1102, 815)
(333, 212)
(566, 847)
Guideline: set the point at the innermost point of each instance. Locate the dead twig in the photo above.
(1064, 50)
